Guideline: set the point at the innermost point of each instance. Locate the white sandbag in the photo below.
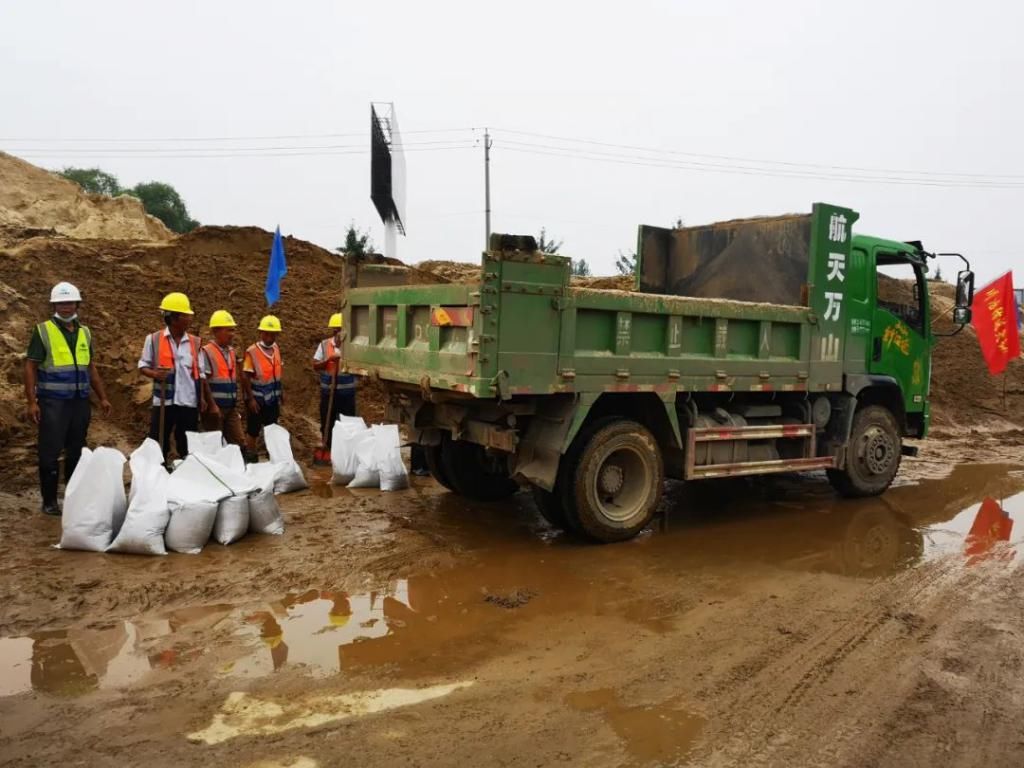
(388, 457)
(232, 521)
(148, 513)
(289, 474)
(190, 525)
(262, 474)
(147, 453)
(364, 447)
(94, 501)
(343, 456)
(265, 514)
(192, 481)
(204, 443)
(237, 483)
(231, 457)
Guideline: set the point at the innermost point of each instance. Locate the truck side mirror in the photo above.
(964, 290)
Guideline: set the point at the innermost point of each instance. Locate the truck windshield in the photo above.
(901, 285)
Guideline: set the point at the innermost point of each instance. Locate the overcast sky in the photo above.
(753, 108)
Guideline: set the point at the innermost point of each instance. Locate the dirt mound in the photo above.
(452, 271)
(34, 198)
(122, 283)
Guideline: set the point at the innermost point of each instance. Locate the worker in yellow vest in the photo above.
(261, 382)
(170, 357)
(60, 374)
(218, 361)
(327, 362)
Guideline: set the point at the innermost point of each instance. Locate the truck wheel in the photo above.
(550, 507)
(873, 455)
(473, 473)
(433, 457)
(617, 481)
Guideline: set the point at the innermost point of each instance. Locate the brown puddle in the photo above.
(518, 576)
(662, 733)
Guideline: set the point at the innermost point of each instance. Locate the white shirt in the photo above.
(184, 390)
(320, 353)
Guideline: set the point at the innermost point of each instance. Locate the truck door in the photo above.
(900, 328)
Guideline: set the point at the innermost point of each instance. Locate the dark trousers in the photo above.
(177, 419)
(269, 414)
(344, 405)
(63, 426)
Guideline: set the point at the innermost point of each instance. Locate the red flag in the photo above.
(994, 317)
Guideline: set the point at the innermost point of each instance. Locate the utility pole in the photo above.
(487, 189)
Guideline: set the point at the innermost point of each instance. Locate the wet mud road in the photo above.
(756, 624)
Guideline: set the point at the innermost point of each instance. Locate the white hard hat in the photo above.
(64, 292)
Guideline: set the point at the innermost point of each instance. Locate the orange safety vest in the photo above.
(266, 379)
(223, 380)
(165, 359)
(345, 382)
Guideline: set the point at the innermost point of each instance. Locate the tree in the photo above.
(93, 180)
(163, 201)
(580, 268)
(547, 245)
(356, 243)
(626, 263)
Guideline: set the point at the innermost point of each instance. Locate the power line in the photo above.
(151, 150)
(50, 154)
(592, 155)
(731, 158)
(229, 138)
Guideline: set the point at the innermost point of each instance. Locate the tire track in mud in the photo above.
(767, 711)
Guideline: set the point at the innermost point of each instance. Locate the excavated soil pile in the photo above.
(122, 282)
(463, 272)
(33, 198)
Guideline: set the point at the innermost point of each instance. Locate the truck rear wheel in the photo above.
(473, 473)
(616, 481)
(433, 458)
(549, 504)
(873, 455)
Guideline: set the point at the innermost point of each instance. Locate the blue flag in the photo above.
(276, 270)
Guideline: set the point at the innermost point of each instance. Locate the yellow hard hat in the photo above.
(270, 323)
(176, 302)
(222, 319)
(335, 321)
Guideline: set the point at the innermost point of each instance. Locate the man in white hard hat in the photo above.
(60, 373)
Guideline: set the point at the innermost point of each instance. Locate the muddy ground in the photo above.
(758, 623)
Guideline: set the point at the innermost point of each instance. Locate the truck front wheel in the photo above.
(616, 481)
(473, 473)
(873, 455)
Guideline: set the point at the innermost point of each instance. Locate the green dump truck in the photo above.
(748, 347)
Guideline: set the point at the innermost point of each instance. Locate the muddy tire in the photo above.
(873, 456)
(474, 474)
(549, 504)
(432, 453)
(616, 481)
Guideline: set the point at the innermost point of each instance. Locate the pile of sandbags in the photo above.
(367, 457)
(210, 495)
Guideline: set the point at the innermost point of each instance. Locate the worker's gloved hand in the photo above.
(32, 412)
(106, 407)
(253, 405)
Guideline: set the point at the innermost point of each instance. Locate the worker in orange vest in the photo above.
(261, 383)
(170, 357)
(219, 363)
(327, 362)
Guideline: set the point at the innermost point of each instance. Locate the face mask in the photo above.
(267, 346)
(70, 318)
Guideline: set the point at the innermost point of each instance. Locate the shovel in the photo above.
(322, 455)
(163, 400)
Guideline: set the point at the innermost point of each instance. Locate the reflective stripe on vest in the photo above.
(346, 382)
(266, 378)
(64, 373)
(223, 380)
(165, 358)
